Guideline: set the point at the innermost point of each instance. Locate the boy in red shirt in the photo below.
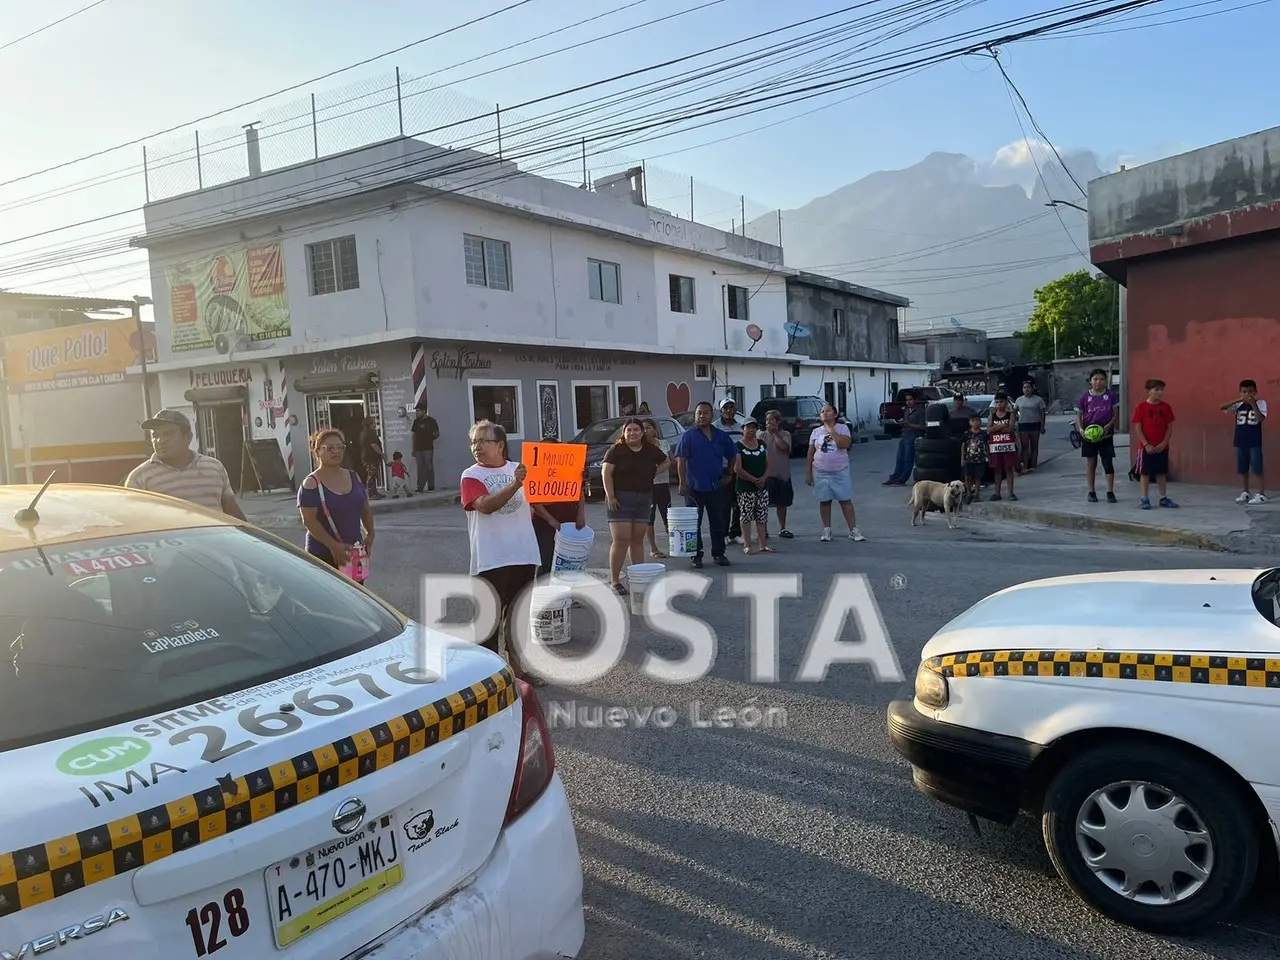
(1154, 421)
(399, 476)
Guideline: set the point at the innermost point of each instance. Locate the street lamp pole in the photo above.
(138, 303)
(1066, 203)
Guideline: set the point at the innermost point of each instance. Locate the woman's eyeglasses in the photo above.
(334, 447)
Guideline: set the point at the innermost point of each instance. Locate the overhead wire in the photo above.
(49, 26)
(489, 161)
(540, 122)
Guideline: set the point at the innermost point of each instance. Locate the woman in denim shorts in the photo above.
(628, 473)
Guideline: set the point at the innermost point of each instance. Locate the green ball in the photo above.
(1093, 433)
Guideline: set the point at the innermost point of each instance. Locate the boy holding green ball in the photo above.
(1099, 407)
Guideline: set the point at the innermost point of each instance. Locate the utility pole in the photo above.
(138, 303)
(1123, 324)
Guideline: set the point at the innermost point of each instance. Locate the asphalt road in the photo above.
(807, 839)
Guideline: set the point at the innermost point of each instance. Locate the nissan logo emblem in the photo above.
(348, 817)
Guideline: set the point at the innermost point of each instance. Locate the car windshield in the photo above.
(110, 630)
(1266, 595)
(605, 431)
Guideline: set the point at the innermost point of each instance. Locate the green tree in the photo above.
(1081, 311)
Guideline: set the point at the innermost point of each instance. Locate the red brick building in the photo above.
(1195, 240)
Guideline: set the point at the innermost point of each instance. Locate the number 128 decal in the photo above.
(206, 923)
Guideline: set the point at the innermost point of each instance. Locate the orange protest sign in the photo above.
(554, 471)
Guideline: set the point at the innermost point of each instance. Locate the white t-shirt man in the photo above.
(505, 538)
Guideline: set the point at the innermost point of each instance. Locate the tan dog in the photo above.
(946, 497)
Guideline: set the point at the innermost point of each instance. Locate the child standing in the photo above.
(973, 458)
(1154, 421)
(1002, 443)
(1250, 414)
(399, 476)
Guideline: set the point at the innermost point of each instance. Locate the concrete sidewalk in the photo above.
(279, 509)
(1207, 517)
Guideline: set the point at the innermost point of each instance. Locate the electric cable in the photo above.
(48, 26)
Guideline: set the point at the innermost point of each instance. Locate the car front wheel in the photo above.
(1150, 837)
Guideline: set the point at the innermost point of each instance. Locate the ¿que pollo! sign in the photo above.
(555, 471)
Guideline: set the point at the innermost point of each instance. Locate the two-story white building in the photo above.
(366, 283)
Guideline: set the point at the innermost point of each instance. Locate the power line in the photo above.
(255, 100)
(237, 138)
(49, 26)
(801, 93)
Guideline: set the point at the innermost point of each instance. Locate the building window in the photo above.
(893, 331)
(497, 401)
(738, 297)
(770, 390)
(333, 266)
(488, 262)
(603, 281)
(682, 294)
(702, 371)
(590, 403)
(837, 322)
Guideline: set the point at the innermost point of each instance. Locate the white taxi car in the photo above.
(213, 745)
(1137, 714)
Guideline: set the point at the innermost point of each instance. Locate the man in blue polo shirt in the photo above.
(700, 454)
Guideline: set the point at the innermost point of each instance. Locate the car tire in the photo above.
(942, 446)
(1209, 804)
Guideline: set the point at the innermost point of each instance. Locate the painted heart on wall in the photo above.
(678, 397)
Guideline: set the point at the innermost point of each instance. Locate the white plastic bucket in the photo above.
(682, 527)
(573, 546)
(549, 616)
(640, 576)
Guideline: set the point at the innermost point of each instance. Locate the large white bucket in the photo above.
(682, 526)
(640, 576)
(549, 617)
(573, 546)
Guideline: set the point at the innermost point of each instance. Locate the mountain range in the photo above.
(961, 239)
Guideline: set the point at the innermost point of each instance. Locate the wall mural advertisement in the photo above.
(234, 292)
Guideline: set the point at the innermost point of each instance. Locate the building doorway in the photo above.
(220, 428)
(346, 412)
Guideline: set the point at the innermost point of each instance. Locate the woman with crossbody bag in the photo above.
(334, 505)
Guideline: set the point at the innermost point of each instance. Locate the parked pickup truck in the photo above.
(891, 410)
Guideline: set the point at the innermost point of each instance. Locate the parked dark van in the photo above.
(799, 417)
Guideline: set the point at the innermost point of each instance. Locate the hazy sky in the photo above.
(128, 68)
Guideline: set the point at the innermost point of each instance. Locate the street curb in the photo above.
(1123, 529)
(417, 502)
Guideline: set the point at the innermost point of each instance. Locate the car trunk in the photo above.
(303, 818)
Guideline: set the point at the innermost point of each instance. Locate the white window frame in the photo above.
(520, 421)
(617, 403)
(701, 376)
(573, 398)
(484, 259)
(746, 302)
(594, 263)
(332, 243)
(693, 293)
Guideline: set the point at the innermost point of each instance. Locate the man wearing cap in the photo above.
(728, 423)
(176, 470)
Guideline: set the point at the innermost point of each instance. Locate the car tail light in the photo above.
(536, 763)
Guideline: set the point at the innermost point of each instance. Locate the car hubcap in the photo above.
(1145, 843)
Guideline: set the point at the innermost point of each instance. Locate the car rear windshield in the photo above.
(111, 630)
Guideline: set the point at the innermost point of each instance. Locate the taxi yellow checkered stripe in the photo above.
(39, 873)
(1228, 670)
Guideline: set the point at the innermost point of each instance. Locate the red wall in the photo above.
(1202, 320)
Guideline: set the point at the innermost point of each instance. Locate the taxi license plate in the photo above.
(329, 881)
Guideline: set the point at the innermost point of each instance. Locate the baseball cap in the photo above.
(750, 422)
(165, 416)
(728, 402)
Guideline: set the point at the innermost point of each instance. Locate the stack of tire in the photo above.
(938, 451)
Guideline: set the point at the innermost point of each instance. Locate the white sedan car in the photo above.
(1137, 714)
(213, 745)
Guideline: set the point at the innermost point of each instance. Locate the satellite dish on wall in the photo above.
(754, 332)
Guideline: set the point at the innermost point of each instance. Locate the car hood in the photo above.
(1156, 611)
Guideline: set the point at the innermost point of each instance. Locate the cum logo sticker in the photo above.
(106, 755)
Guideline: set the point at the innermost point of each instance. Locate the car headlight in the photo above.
(931, 688)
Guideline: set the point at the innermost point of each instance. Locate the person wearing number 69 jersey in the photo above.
(504, 547)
